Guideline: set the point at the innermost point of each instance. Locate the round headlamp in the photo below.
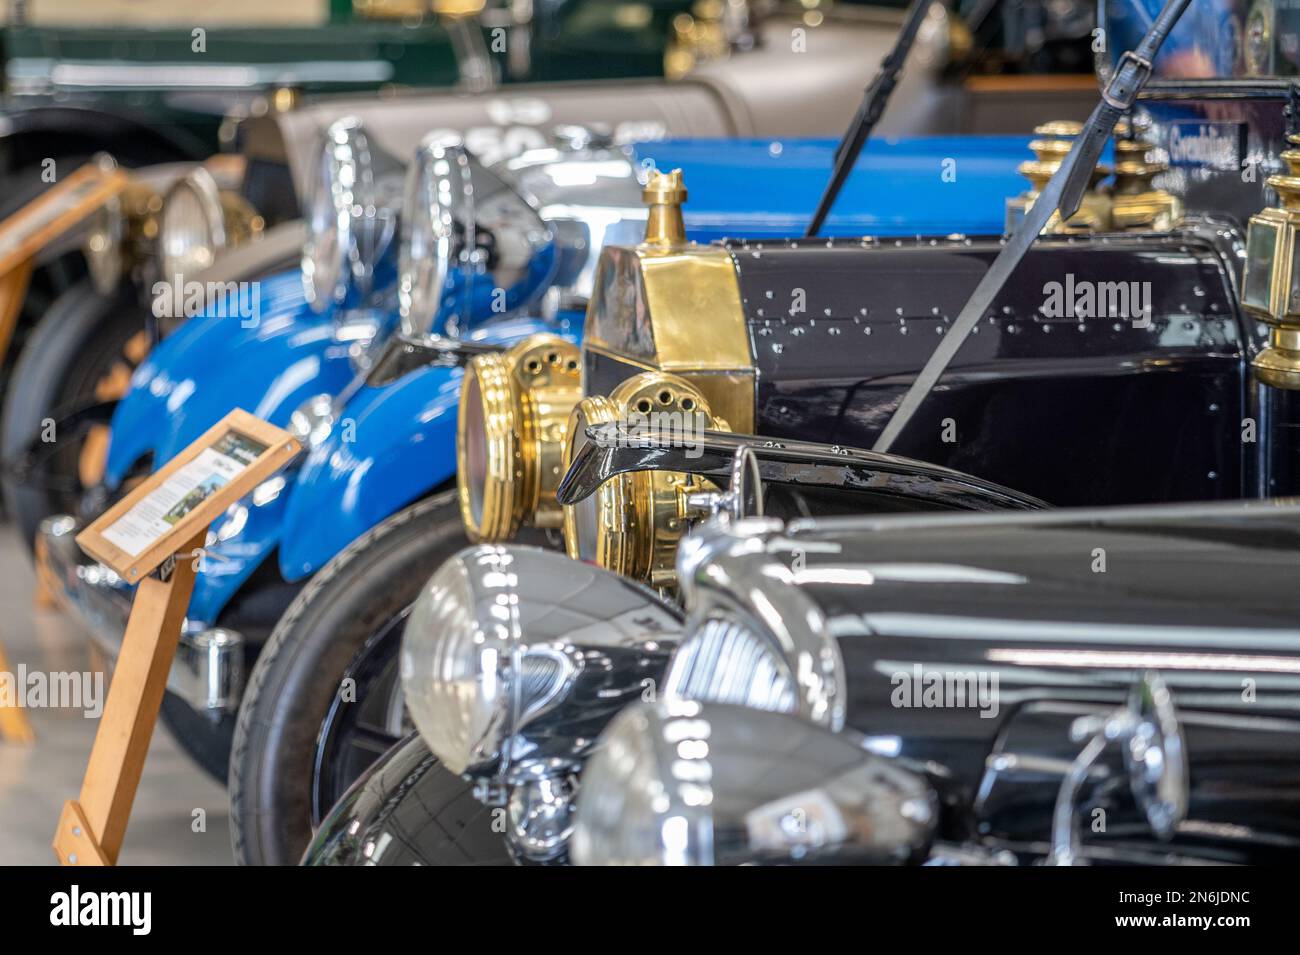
(756, 676)
(684, 783)
(633, 522)
(437, 231)
(456, 663)
(499, 639)
(351, 214)
(105, 256)
(105, 234)
(193, 229)
(514, 408)
(769, 649)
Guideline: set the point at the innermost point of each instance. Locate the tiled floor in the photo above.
(35, 780)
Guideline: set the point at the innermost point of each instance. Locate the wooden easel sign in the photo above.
(154, 537)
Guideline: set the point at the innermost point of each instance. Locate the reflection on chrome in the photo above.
(685, 783)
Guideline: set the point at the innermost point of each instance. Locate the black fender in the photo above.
(28, 135)
(409, 809)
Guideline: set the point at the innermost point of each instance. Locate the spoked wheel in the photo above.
(110, 388)
(54, 431)
(359, 730)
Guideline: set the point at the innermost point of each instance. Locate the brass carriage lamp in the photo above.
(1271, 285)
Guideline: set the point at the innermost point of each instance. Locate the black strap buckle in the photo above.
(1131, 74)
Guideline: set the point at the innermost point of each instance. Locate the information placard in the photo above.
(159, 525)
(148, 525)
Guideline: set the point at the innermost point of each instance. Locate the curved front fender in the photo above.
(212, 364)
(389, 447)
(408, 809)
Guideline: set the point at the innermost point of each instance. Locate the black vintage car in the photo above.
(999, 696)
(957, 687)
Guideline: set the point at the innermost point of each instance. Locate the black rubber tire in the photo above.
(75, 344)
(205, 741)
(298, 674)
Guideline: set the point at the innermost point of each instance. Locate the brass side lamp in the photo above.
(1271, 284)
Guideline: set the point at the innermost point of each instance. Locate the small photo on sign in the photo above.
(212, 469)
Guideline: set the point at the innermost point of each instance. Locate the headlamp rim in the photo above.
(487, 753)
(347, 135)
(106, 268)
(200, 182)
(488, 388)
(419, 208)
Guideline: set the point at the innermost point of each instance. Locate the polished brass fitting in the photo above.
(1271, 281)
(1053, 143)
(632, 524)
(514, 408)
(1138, 205)
(664, 193)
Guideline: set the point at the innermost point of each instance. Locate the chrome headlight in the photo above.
(107, 244)
(437, 232)
(682, 783)
(473, 247)
(501, 637)
(351, 211)
(105, 256)
(193, 229)
(758, 640)
(755, 674)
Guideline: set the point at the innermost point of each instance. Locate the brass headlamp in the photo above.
(634, 521)
(121, 233)
(514, 407)
(1271, 284)
(521, 410)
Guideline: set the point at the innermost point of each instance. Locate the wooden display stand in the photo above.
(14, 725)
(35, 225)
(178, 503)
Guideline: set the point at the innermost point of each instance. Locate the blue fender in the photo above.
(392, 446)
(211, 364)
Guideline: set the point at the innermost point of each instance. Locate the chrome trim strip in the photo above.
(35, 74)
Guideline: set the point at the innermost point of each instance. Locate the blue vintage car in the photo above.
(360, 360)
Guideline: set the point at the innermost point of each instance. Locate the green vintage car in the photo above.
(158, 81)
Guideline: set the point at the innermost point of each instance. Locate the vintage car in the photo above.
(188, 385)
(379, 422)
(197, 221)
(950, 689)
(162, 81)
(1096, 375)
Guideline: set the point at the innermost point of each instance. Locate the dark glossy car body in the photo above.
(1199, 594)
(1064, 611)
(846, 622)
